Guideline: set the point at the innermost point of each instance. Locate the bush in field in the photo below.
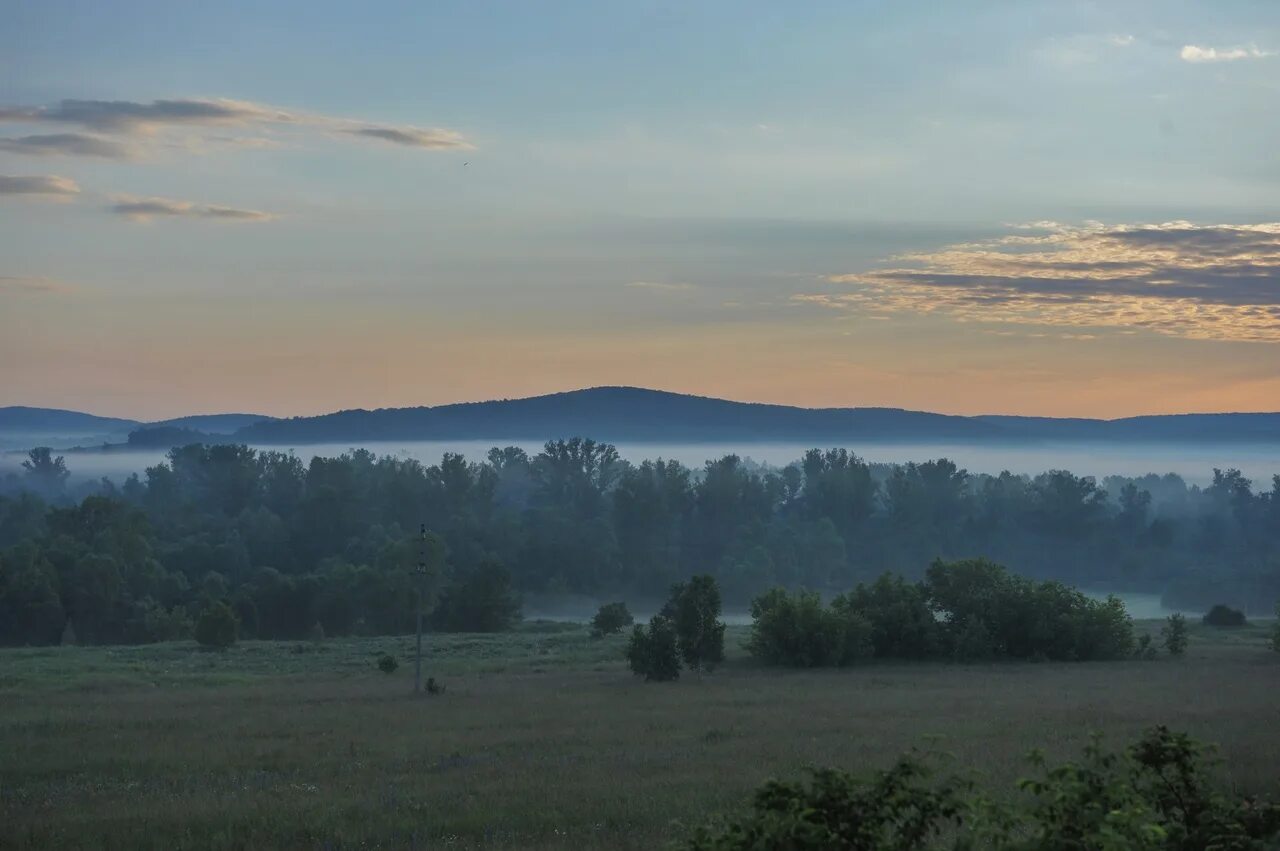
(161, 624)
(983, 604)
(481, 600)
(387, 663)
(1221, 615)
(1156, 795)
(1145, 649)
(654, 653)
(798, 630)
(694, 611)
(217, 626)
(1275, 631)
(1174, 633)
(903, 625)
(612, 618)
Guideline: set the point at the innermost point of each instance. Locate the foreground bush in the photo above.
(1157, 794)
(1221, 615)
(798, 630)
(653, 653)
(612, 618)
(217, 626)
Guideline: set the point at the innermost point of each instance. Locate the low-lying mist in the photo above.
(1193, 462)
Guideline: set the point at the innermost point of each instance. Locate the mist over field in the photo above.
(1194, 463)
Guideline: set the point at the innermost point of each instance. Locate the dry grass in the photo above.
(542, 739)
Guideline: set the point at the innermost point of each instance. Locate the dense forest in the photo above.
(335, 542)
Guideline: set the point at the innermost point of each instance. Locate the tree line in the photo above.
(289, 544)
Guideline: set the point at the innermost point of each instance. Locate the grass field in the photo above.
(542, 739)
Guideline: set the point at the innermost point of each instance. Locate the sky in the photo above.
(1050, 208)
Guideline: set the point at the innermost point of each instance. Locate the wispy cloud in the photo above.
(135, 118)
(413, 137)
(38, 184)
(1217, 282)
(145, 209)
(1195, 53)
(25, 285)
(66, 144)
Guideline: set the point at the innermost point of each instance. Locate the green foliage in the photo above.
(1145, 649)
(1155, 795)
(387, 663)
(1275, 631)
(217, 626)
(1221, 615)
(694, 611)
(480, 601)
(334, 540)
(903, 625)
(610, 619)
(654, 653)
(161, 624)
(989, 612)
(798, 630)
(1175, 635)
(896, 810)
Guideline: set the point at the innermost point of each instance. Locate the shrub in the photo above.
(903, 625)
(1275, 631)
(1146, 648)
(1221, 615)
(799, 631)
(990, 612)
(1175, 635)
(694, 611)
(161, 624)
(612, 618)
(653, 653)
(387, 663)
(1156, 794)
(217, 626)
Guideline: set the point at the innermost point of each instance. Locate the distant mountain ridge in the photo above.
(632, 414)
(640, 415)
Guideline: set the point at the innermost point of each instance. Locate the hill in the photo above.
(18, 418)
(640, 415)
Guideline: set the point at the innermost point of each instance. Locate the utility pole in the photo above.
(422, 592)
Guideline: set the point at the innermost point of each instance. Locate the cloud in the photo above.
(1196, 54)
(145, 209)
(43, 184)
(66, 144)
(1219, 282)
(24, 285)
(123, 116)
(661, 286)
(135, 118)
(1120, 40)
(414, 137)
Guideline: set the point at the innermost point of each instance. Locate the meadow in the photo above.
(542, 738)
